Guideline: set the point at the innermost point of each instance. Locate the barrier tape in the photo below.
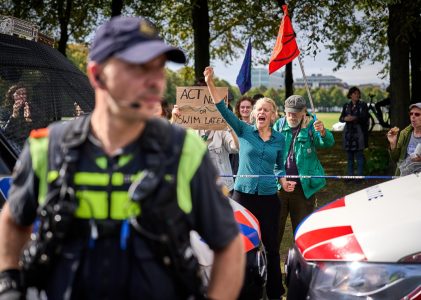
(313, 176)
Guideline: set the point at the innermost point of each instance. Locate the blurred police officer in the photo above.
(87, 166)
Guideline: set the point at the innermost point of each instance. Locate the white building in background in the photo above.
(320, 81)
(260, 77)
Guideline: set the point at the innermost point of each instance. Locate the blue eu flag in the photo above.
(244, 76)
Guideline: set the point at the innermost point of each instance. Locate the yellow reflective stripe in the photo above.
(99, 179)
(38, 147)
(88, 178)
(191, 157)
(117, 179)
(92, 204)
(101, 162)
(52, 175)
(124, 160)
(122, 207)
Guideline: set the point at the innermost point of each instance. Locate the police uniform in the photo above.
(113, 264)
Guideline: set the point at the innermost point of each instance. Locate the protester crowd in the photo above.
(286, 148)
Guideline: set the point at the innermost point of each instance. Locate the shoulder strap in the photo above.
(161, 144)
(65, 139)
(159, 139)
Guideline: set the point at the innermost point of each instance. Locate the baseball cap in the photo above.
(418, 104)
(132, 39)
(295, 103)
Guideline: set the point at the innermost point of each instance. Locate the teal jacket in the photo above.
(306, 154)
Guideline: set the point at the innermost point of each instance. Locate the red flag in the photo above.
(286, 48)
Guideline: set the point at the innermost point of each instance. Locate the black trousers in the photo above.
(267, 209)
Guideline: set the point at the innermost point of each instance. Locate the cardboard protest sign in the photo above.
(197, 108)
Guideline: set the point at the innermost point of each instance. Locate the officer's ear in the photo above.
(94, 71)
(99, 80)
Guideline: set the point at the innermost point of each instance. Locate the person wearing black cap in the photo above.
(116, 193)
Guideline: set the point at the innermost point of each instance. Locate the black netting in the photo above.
(55, 89)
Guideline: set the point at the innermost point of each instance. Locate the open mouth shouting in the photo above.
(261, 119)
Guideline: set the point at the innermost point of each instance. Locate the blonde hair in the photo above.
(274, 109)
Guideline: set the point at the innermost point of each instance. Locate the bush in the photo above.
(377, 161)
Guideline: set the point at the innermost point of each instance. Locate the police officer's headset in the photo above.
(102, 84)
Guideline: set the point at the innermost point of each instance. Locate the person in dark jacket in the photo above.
(355, 135)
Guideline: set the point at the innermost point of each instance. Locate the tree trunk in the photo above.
(416, 58)
(64, 19)
(416, 68)
(17, 8)
(20, 8)
(289, 81)
(116, 7)
(399, 66)
(200, 24)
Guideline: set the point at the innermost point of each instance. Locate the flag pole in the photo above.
(306, 85)
(313, 111)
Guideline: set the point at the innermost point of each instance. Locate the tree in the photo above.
(368, 31)
(116, 7)
(78, 55)
(275, 95)
(187, 22)
(415, 51)
(61, 19)
(201, 35)
(337, 96)
(399, 66)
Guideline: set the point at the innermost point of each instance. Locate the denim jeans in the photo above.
(359, 155)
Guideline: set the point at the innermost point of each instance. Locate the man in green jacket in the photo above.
(303, 136)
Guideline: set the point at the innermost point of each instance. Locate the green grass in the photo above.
(328, 119)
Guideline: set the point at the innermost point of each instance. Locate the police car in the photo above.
(365, 245)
